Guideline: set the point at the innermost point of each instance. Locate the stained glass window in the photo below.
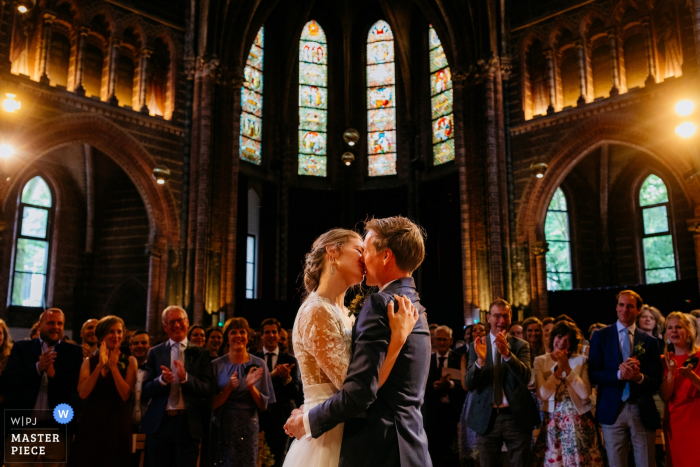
(440, 102)
(657, 241)
(313, 100)
(381, 100)
(556, 231)
(252, 102)
(32, 247)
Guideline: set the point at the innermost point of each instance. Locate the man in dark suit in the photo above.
(625, 364)
(286, 382)
(383, 427)
(502, 409)
(178, 383)
(40, 374)
(444, 398)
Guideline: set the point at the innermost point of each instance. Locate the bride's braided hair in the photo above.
(315, 259)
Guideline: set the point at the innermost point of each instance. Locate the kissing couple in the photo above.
(363, 385)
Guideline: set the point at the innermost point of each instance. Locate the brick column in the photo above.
(694, 226)
(649, 49)
(549, 57)
(157, 276)
(45, 48)
(143, 79)
(538, 279)
(79, 66)
(581, 72)
(114, 42)
(614, 63)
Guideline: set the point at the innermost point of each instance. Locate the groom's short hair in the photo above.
(404, 238)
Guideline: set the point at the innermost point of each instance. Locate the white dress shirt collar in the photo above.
(621, 326)
(274, 352)
(388, 284)
(183, 341)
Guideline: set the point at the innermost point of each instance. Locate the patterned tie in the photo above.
(625, 356)
(497, 383)
(268, 357)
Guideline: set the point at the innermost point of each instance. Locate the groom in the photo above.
(382, 427)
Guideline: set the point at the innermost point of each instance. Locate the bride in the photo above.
(322, 336)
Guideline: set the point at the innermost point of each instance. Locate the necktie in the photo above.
(625, 356)
(497, 383)
(441, 364)
(174, 399)
(268, 357)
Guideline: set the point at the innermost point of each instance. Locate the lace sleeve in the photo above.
(322, 336)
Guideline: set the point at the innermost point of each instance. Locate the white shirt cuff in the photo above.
(307, 425)
(641, 380)
(508, 359)
(37, 368)
(477, 365)
(618, 374)
(160, 380)
(452, 384)
(184, 380)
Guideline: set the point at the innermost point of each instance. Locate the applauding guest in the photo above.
(569, 436)
(534, 335)
(196, 336)
(680, 391)
(88, 338)
(243, 388)
(139, 346)
(106, 381)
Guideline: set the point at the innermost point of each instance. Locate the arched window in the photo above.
(59, 59)
(313, 100)
(381, 100)
(556, 231)
(657, 241)
(441, 102)
(32, 247)
(252, 103)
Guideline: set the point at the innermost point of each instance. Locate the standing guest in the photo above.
(196, 336)
(88, 339)
(139, 346)
(467, 436)
(243, 388)
(569, 435)
(532, 330)
(444, 397)
(464, 349)
(43, 373)
(34, 331)
(591, 330)
(178, 384)
(679, 389)
(106, 380)
(284, 340)
(547, 325)
(652, 322)
(213, 340)
(5, 345)
(502, 409)
(626, 365)
(696, 316)
(286, 382)
(516, 330)
(432, 329)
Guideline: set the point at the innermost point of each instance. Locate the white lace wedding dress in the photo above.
(322, 339)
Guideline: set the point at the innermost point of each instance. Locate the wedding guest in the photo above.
(679, 389)
(286, 382)
(432, 327)
(284, 340)
(40, 374)
(196, 336)
(516, 330)
(467, 437)
(5, 345)
(34, 331)
(464, 349)
(178, 384)
(652, 322)
(569, 435)
(532, 329)
(444, 397)
(88, 339)
(626, 365)
(139, 346)
(106, 380)
(213, 340)
(696, 317)
(591, 330)
(547, 325)
(243, 388)
(502, 409)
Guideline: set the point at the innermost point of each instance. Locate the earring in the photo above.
(332, 265)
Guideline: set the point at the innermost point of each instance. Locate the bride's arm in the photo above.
(401, 324)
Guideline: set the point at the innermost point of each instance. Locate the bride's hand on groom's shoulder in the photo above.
(403, 321)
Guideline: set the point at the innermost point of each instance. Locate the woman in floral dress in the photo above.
(569, 436)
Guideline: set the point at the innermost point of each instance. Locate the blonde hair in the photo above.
(6, 346)
(314, 261)
(404, 238)
(658, 319)
(689, 327)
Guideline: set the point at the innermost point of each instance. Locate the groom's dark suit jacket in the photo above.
(382, 427)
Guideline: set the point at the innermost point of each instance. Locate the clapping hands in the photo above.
(253, 377)
(629, 369)
(46, 361)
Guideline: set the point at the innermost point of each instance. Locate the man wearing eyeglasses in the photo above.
(503, 409)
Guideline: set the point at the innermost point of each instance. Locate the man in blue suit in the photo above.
(178, 383)
(626, 365)
(383, 427)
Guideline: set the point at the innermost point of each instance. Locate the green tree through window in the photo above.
(556, 231)
(657, 241)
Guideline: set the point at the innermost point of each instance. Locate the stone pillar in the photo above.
(581, 72)
(79, 66)
(549, 57)
(649, 49)
(45, 48)
(114, 42)
(614, 63)
(540, 306)
(157, 275)
(143, 79)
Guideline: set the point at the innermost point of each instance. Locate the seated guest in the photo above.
(196, 336)
(213, 340)
(243, 388)
(569, 435)
(652, 322)
(532, 331)
(679, 389)
(286, 382)
(284, 341)
(467, 437)
(88, 339)
(516, 330)
(444, 398)
(106, 380)
(139, 346)
(626, 365)
(547, 325)
(178, 384)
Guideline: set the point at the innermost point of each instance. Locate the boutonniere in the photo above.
(357, 303)
(639, 351)
(123, 361)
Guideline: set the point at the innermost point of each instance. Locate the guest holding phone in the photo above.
(681, 391)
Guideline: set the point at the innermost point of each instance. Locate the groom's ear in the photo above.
(388, 254)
